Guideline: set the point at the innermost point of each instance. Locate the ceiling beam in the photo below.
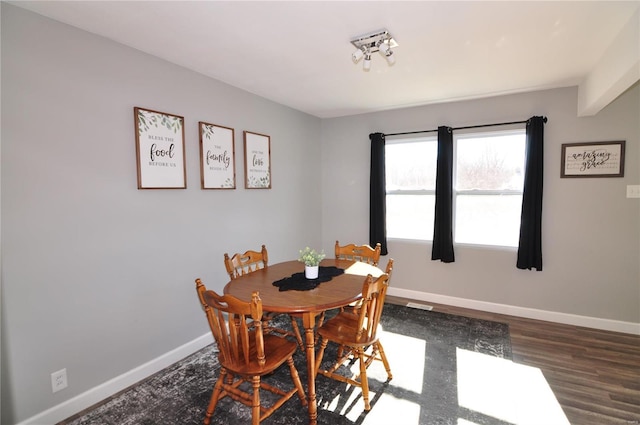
(617, 70)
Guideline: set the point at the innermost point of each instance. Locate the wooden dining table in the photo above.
(340, 291)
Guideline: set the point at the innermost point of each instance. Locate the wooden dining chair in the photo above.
(363, 253)
(357, 337)
(246, 354)
(250, 261)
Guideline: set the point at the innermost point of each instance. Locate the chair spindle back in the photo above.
(234, 332)
(374, 293)
(250, 261)
(364, 253)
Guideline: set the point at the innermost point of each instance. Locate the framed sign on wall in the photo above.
(160, 150)
(593, 159)
(217, 157)
(257, 161)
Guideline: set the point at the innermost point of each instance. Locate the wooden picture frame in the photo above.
(257, 160)
(160, 154)
(217, 156)
(593, 159)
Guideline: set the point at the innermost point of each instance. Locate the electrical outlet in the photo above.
(633, 191)
(59, 380)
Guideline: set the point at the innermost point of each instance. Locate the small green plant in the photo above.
(311, 257)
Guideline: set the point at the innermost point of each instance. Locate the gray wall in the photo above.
(98, 276)
(591, 231)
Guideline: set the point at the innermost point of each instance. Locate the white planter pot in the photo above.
(311, 272)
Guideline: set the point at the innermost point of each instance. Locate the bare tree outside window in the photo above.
(494, 163)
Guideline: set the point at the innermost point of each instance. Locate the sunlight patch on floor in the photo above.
(508, 391)
(353, 398)
(465, 422)
(407, 361)
(390, 410)
(406, 357)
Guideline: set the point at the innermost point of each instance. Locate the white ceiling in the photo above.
(298, 53)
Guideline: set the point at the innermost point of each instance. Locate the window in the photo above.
(411, 188)
(488, 182)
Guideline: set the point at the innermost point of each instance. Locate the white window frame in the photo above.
(456, 192)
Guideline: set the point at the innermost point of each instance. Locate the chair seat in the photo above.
(278, 350)
(343, 329)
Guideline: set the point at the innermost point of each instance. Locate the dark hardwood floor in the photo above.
(594, 374)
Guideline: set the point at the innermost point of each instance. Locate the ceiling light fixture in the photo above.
(379, 41)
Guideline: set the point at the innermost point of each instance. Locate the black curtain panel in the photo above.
(530, 245)
(377, 194)
(443, 222)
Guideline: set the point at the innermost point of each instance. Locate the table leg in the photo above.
(308, 322)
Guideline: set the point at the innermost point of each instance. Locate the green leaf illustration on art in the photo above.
(147, 119)
(207, 131)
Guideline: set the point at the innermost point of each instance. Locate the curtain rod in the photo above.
(463, 128)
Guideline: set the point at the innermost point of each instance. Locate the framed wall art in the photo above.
(217, 157)
(160, 150)
(257, 161)
(593, 159)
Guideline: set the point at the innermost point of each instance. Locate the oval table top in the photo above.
(339, 291)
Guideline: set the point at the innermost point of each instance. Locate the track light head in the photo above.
(357, 55)
(366, 65)
(383, 48)
(385, 51)
(391, 59)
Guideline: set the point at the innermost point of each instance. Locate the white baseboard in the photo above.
(94, 395)
(530, 313)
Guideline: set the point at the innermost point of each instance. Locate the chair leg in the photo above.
(364, 382)
(255, 405)
(296, 332)
(319, 322)
(215, 396)
(296, 380)
(320, 353)
(340, 351)
(383, 357)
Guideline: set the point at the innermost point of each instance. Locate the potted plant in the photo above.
(311, 259)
